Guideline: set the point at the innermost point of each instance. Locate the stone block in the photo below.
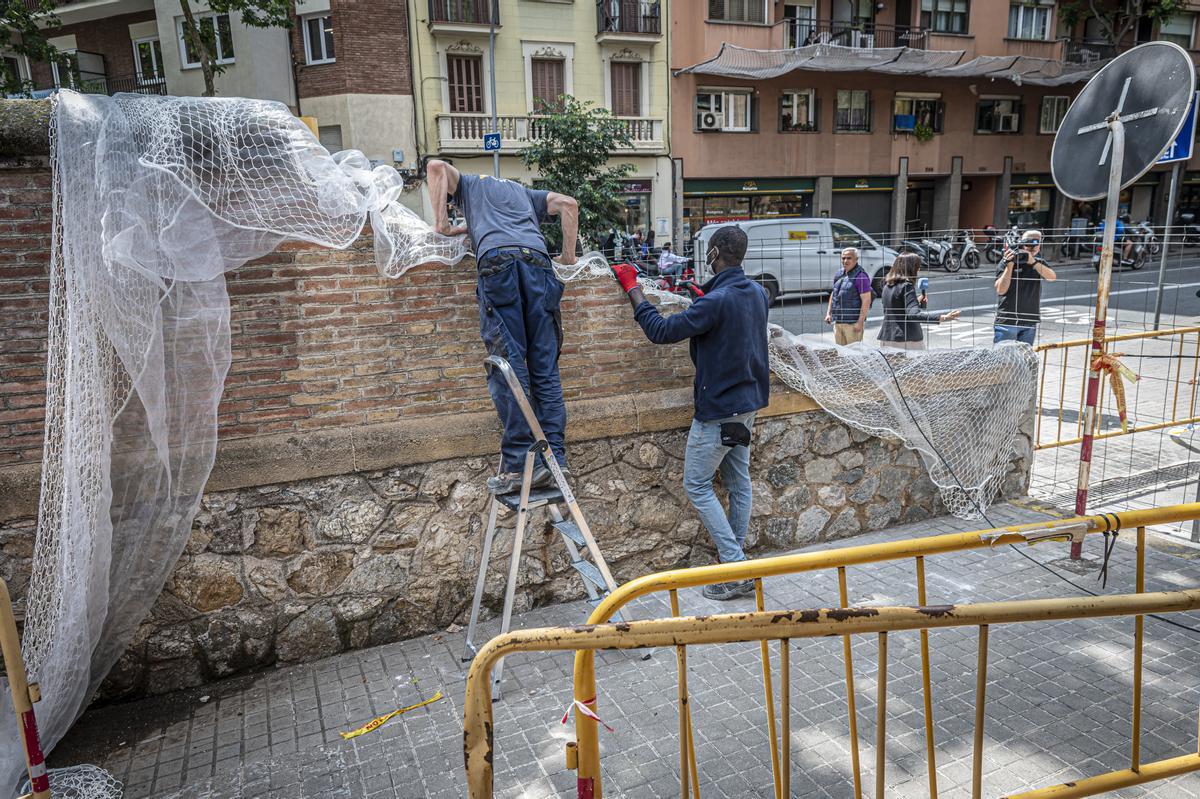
(352, 522)
(208, 582)
(311, 635)
(279, 531)
(319, 573)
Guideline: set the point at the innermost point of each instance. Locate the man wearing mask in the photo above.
(726, 330)
(850, 300)
(519, 294)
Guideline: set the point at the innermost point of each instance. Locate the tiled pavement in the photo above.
(1058, 701)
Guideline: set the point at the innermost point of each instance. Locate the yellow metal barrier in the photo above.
(584, 753)
(1183, 376)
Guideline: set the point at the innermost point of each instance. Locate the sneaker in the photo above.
(723, 592)
(544, 478)
(504, 483)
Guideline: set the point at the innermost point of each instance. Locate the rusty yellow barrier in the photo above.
(584, 753)
(1184, 377)
(24, 694)
(784, 626)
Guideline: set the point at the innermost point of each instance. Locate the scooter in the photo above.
(968, 252)
(1138, 256)
(1146, 234)
(941, 253)
(684, 284)
(993, 250)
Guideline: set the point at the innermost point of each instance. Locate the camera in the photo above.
(1023, 260)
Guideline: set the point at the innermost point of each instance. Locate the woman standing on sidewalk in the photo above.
(902, 314)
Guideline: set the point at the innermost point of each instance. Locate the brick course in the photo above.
(320, 339)
(370, 42)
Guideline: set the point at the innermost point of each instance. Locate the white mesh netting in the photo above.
(155, 199)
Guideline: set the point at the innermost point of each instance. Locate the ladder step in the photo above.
(571, 530)
(589, 572)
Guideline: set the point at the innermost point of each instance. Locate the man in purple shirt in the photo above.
(850, 300)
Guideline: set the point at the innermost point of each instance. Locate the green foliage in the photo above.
(1118, 18)
(923, 132)
(202, 34)
(21, 33)
(570, 152)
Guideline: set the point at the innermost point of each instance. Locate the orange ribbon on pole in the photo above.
(1117, 374)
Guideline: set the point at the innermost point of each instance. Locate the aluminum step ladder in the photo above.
(575, 533)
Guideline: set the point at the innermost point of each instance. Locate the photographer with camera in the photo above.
(1019, 285)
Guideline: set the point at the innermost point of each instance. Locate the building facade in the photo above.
(343, 63)
(890, 152)
(611, 53)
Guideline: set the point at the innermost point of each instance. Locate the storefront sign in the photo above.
(635, 186)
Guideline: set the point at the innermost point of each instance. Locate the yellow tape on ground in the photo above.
(376, 723)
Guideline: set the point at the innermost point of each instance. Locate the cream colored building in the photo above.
(612, 53)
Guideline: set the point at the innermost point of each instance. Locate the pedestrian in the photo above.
(518, 294)
(668, 262)
(727, 333)
(850, 300)
(902, 314)
(1019, 286)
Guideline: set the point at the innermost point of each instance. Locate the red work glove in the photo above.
(627, 276)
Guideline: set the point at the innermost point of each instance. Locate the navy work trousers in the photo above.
(520, 321)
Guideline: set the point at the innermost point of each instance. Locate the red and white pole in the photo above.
(1116, 154)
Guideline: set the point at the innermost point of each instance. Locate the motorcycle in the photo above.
(684, 284)
(968, 252)
(1139, 255)
(1146, 234)
(940, 253)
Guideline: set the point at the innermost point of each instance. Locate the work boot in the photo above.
(544, 478)
(504, 483)
(725, 591)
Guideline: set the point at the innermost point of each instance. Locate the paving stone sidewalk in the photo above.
(1059, 700)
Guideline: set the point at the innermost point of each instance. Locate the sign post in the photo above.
(1179, 152)
(1116, 130)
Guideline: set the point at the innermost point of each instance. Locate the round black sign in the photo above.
(1150, 87)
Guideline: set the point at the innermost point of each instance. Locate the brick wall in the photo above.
(109, 37)
(320, 340)
(370, 41)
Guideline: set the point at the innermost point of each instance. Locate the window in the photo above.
(626, 88)
(330, 137)
(222, 39)
(738, 10)
(14, 73)
(998, 115)
(1178, 30)
(845, 236)
(798, 111)
(799, 27)
(318, 39)
(147, 57)
(548, 82)
(911, 110)
(729, 111)
(1030, 20)
(944, 16)
(1054, 108)
(466, 83)
(853, 111)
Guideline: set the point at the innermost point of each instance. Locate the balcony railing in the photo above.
(469, 12)
(463, 133)
(867, 35)
(629, 16)
(1087, 51)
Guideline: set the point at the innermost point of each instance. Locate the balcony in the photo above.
(463, 16)
(1087, 51)
(462, 134)
(628, 20)
(867, 35)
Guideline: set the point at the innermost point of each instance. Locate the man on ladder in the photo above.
(519, 295)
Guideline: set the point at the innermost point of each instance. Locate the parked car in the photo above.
(796, 255)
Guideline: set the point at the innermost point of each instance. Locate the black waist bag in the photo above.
(735, 434)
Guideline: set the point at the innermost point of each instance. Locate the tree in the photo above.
(21, 32)
(1118, 18)
(571, 153)
(202, 35)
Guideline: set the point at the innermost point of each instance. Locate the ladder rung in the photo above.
(589, 572)
(570, 530)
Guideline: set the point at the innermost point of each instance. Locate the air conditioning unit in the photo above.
(708, 121)
(1009, 123)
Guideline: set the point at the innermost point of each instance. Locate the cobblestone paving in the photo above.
(1058, 701)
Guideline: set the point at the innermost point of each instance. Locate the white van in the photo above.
(786, 256)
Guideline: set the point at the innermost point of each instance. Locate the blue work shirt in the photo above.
(501, 213)
(1120, 234)
(727, 328)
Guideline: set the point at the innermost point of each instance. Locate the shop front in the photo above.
(709, 202)
(1031, 200)
(1189, 196)
(635, 196)
(1136, 200)
(865, 202)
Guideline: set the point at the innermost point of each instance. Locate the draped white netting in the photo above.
(155, 199)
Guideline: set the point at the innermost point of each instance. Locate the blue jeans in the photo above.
(1025, 335)
(704, 455)
(519, 320)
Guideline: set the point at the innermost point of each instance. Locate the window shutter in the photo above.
(626, 89)
(466, 84)
(716, 9)
(816, 114)
(752, 101)
(547, 82)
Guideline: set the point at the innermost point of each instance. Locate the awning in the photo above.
(749, 64)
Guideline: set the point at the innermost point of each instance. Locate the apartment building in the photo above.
(344, 64)
(955, 130)
(612, 53)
